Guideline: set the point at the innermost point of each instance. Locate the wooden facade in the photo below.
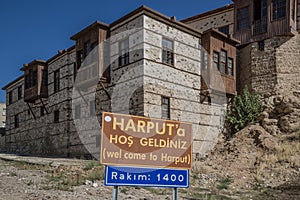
(36, 83)
(298, 15)
(260, 20)
(213, 79)
(90, 56)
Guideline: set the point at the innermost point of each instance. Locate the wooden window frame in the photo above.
(167, 52)
(44, 77)
(10, 97)
(56, 80)
(224, 29)
(124, 52)
(214, 61)
(278, 8)
(223, 62)
(20, 92)
(243, 21)
(232, 66)
(168, 110)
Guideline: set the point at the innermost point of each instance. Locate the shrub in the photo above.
(243, 110)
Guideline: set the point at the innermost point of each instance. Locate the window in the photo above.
(224, 29)
(44, 77)
(4, 112)
(74, 70)
(42, 110)
(293, 10)
(31, 79)
(34, 78)
(3, 124)
(56, 81)
(230, 68)
(79, 58)
(92, 108)
(223, 59)
(124, 52)
(205, 60)
(243, 18)
(56, 116)
(86, 48)
(20, 92)
(279, 9)
(10, 97)
(17, 121)
(260, 9)
(165, 108)
(261, 45)
(77, 111)
(216, 60)
(167, 51)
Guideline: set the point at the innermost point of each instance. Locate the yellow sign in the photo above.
(139, 141)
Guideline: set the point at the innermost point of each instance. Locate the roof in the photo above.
(59, 53)
(86, 29)
(228, 38)
(211, 12)
(13, 82)
(42, 62)
(158, 16)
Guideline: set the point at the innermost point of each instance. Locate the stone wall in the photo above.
(272, 70)
(38, 134)
(2, 114)
(181, 83)
(214, 20)
(135, 88)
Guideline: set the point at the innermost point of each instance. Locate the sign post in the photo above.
(141, 151)
(115, 193)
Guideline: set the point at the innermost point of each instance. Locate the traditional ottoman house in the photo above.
(144, 63)
(268, 54)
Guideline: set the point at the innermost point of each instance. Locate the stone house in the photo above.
(2, 115)
(268, 31)
(144, 63)
(268, 54)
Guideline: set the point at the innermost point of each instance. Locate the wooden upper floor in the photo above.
(218, 71)
(36, 80)
(256, 20)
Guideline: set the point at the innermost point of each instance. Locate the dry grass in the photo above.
(285, 156)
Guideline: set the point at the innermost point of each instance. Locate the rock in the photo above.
(95, 185)
(87, 182)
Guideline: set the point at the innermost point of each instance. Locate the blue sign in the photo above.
(154, 177)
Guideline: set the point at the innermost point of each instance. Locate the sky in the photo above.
(37, 29)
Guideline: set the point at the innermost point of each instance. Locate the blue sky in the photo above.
(36, 29)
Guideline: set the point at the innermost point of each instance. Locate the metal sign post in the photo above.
(175, 194)
(115, 193)
(164, 154)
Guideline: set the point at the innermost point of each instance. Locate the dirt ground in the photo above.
(252, 165)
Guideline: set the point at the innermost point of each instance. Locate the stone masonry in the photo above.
(135, 88)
